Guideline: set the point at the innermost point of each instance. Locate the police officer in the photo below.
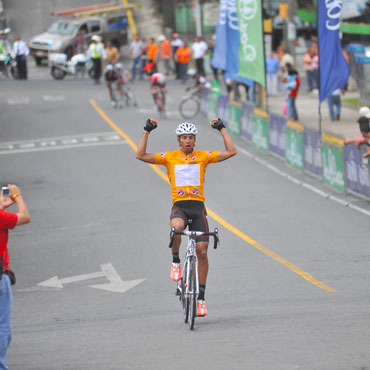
(97, 53)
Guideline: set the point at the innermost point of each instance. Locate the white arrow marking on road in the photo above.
(55, 282)
(116, 284)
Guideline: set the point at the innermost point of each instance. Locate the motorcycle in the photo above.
(5, 61)
(77, 66)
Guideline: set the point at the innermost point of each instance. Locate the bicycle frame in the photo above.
(189, 287)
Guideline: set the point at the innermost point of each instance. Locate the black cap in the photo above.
(363, 120)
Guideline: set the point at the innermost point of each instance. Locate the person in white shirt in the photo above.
(19, 53)
(199, 49)
(175, 44)
(97, 53)
(135, 53)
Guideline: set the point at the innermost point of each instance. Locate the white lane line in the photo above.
(18, 100)
(54, 97)
(69, 146)
(303, 184)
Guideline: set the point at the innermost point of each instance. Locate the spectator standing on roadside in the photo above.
(272, 68)
(8, 221)
(79, 44)
(152, 54)
(175, 44)
(112, 53)
(137, 48)
(96, 52)
(211, 49)
(166, 53)
(199, 49)
(182, 56)
(292, 83)
(315, 67)
(307, 60)
(19, 53)
(335, 99)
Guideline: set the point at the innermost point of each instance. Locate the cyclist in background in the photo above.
(200, 81)
(186, 169)
(111, 75)
(158, 81)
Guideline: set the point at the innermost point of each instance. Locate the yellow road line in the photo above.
(220, 220)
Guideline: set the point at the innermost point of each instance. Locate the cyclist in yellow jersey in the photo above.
(186, 169)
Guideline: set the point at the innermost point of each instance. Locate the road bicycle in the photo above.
(158, 95)
(128, 94)
(188, 285)
(118, 95)
(190, 105)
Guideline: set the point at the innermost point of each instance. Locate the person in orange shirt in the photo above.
(152, 54)
(182, 56)
(166, 53)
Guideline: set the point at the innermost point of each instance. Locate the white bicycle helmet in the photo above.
(161, 79)
(119, 66)
(191, 72)
(186, 128)
(109, 67)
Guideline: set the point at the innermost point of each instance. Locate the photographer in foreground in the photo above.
(8, 220)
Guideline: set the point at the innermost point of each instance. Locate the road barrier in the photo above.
(340, 167)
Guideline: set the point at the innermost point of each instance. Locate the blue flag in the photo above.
(226, 50)
(219, 53)
(334, 71)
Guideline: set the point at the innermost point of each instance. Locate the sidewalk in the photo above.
(308, 112)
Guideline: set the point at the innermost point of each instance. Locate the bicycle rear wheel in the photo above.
(192, 291)
(189, 107)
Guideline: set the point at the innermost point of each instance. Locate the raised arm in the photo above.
(141, 153)
(230, 150)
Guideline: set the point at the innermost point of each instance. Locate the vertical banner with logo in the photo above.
(312, 151)
(334, 70)
(233, 125)
(277, 134)
(219, 53)
(226, 50)
(333, 166)
(251, 55)
(294, 145)
(246, 120)
(357, 173)
(260, 133)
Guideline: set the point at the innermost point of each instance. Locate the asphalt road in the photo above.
(287, 289)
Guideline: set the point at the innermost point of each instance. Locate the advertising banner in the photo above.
(260, 133)
(277, 134)
(357, 173)
(294, 148)
(233, 125)
(212, 106)
(219, 54)
(312, 151)
(251, 54)
(223, 108)
(333, 166)
(333, 69)
(246, 120)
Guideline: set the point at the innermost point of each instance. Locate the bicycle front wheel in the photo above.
(184, 296)
(192, 293)
(189, 107)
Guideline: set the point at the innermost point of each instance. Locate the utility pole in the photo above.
(291, 30)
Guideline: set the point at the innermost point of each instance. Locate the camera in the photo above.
(5, 191)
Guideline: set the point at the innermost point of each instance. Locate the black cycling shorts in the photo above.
(196, 212)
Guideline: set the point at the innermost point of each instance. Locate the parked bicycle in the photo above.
(190, 104)
(188, 285)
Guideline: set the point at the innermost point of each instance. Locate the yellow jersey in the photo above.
(186, 172)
